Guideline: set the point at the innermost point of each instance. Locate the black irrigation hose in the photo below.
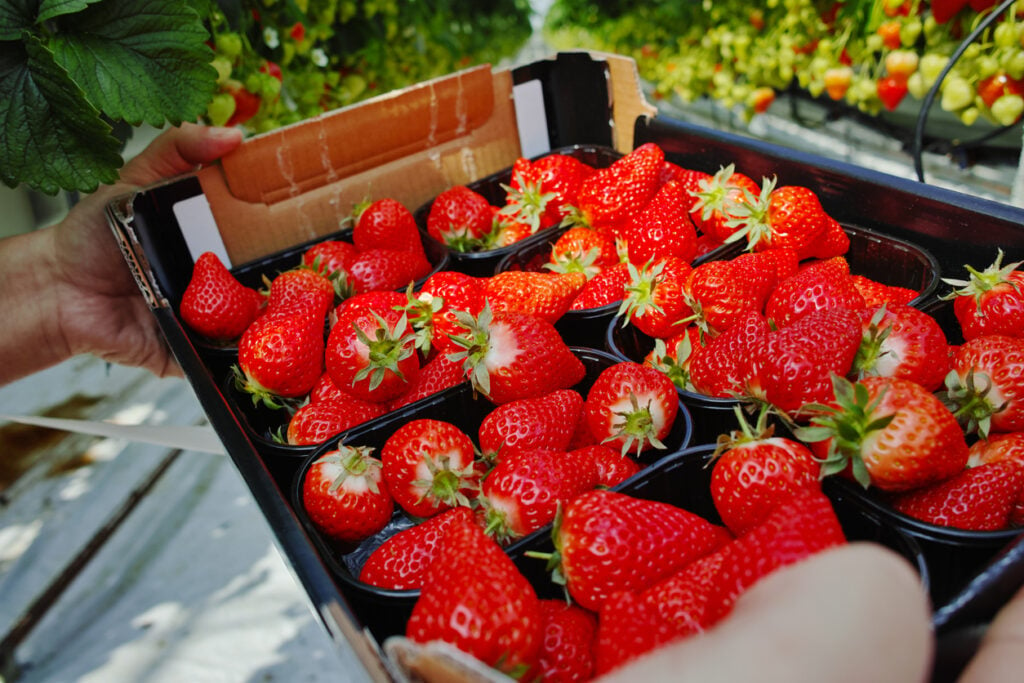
(929, 98)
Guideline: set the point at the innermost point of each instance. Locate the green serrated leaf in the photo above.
(54, 139)
(16, 16)
(141, 61)
(51, 9)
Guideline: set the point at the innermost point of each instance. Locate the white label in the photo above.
(532, 118)
(199, 228)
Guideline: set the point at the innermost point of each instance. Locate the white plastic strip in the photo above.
(532, 118)
(187, 438)
(199, 228)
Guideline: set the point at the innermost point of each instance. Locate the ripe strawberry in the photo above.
(507, 231)
(754, 471)
(583, 249)
(448, 291)
(720, 368)
(401, 562)
(315, 423)
(611, 196)
(508, 356)
(991, 301)
(436, 375)
(382, 302)
(894, 434)
(333, 258)
(608, 542)
(345, 495)
(281, 355)
(796, 529)
(689, 178)
(876, 293)
(655, 302)
(999, 448)
(547, 421)
(387, 269)
(672, 357)
(613, 467)
(786, 216)
(527, 487)
(605, 288)
(722, 292)
(372, 355)
(901, 341)
(326, 390)
(476, 599)
(560, 175)
(985, 388)
(567, 645)
(718, 199)
(386, 224)
(977, 499)
(525, 199)
(793, 365)
(816, 286)
(302, 288)
(430, 466)
(543, 294)
(631, 406)
(215, 304)
(461, 218)
(663, 227)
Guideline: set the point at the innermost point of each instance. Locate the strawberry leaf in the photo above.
(53, 137)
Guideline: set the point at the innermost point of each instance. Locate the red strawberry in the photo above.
(401, 562)
(527, 487)
(446, 292)
(611, 196)
(345, 495)
(333, 258)
(798, 528)
(508, 356)
(754, 471)
(722, 292)
(544, 294)
(476, 599)
(977, 499)
(547, 421)
(672, 357)
(460, 218)
(567, 646)
(507, 231)
(991, 301)
(613, 467)
(787, 216)
(380, 301)
(302, 288)
(663, 227)
(561, 176)
(717, 200)
(386, 224)
(387, 269)
(876, 293)
(315, 423)
(430, 466)
(985, 389)
(655, 302)
(436, 375)
(281, 355)
(607, 287)
(720, 368)
(326, 390)
(215, 304)
(631, 406)
(894, 434)
(583, 249)
(901, 341)
(372, 355)
(609, 542)
(793, 366)
(525, 200)
(688, 177)
(999, 448)
(816, 286)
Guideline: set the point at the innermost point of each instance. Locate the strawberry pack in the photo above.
(467, 341)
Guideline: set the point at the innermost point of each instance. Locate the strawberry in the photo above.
(610, 197)
(430, 466)
(333, 258)
(901, 341)
(448, 291)
(508, 356)
(689, 178)
(717, 201)
(303, 288)
(655, 302)
(977, 499)
(583, 249)
(315, 423)
(372, 355)
(796, 529)
(560, 175)
(401, 562)
(544, 294)
(281, 355)
(567, 646)
(326, 390)
(386, 224)
(892, 433)
(527, 487)
(613, 467)
(507, 231)
(673, 356)
(631, 406)
(215, 304)
(382, 302)
(345, 495)
(605, 288)
(387, 269)
(793, 365)
(816, 286)
(547, 421)
(460, 218)
(720, 368)
(722, 292)
(991, 301)
(876, 293)
(525, 200)
(754, 471)
(436, 375)
(999, 448)
(985, 388)
(663, 227)
(786, 216)
(608, 542)
(475, 598)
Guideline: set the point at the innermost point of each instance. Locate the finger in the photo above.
(178, 151)
(1001, 655)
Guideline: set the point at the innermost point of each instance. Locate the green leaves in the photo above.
(76, 63)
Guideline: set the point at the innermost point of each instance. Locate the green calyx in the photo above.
(746, 433)
(355, 461)
(640, 290)
(475, 345)
(968, 399)
(447, 486)
(870, 350)
(750, 217)
(385, 350)
(635, 427)
(982, 281)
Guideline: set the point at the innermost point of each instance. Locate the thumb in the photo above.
(180, 150)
